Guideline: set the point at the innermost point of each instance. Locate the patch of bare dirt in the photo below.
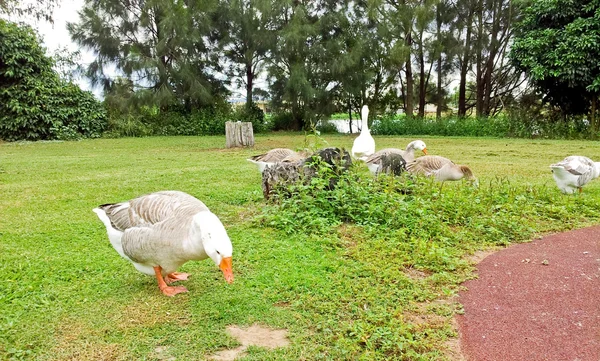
(452, 349)
(479, 256)
(254, 335)
(415, 274)
(76, 342)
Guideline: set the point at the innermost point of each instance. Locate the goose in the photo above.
(159, 232)
(364, 144)
(275, 156)
(374, 161)
(442, 169)
(574, 172)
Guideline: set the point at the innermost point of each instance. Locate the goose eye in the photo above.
(219, 253)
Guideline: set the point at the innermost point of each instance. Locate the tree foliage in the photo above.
(166, 48)
(36, 9)
(558, 47)
(35, 104)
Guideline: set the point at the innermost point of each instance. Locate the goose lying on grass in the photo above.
(364, 145)
(574, 172)
(282, 175)
(161, 231)
(276, 155)
(375, 160)
(442, 169)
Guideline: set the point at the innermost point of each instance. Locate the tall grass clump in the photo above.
(401, 245)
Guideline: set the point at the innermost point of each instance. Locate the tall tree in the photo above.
(558, 47)
(299, 68)
(163, 46)
(464, 31)
(246, 37)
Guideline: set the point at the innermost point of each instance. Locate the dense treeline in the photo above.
(164, 64)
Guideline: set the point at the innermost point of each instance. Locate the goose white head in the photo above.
(216, 242)
(596, 170)
(417, 145)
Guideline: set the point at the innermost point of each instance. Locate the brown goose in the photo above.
(374, 161)
(442, 169)
(159, 232)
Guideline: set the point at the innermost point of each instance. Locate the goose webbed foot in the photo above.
(162, 285)
(176, 276)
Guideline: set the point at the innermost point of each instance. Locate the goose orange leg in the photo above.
(162, 285)
(176, 276)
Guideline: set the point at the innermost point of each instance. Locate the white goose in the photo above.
(161, 231)
(374, 161)
(364, 144)
(574, 172)
(275, 155)
(442, 169)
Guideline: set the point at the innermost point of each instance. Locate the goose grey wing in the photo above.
(160, 206)
(428, 164)
(118, 214)
(274, 155)
(376, 157)
(155, 242)
(576, 165)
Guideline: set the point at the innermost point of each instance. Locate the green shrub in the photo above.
(35, 104)
(450, 126)
(255, 115)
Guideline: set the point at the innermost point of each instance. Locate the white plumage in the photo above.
(159, 232)
(364, 144)
(573, 172)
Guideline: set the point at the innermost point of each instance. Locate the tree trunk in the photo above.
(593, 121)
(464, 67)
(489, 66)
(350, 113)
(422, 78)
(238, 134)
(440, 100)
(479, 86)
(409, 79)
(249, 85)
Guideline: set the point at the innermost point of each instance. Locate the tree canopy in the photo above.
(558, 47)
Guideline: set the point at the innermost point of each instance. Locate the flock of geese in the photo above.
(440, 168)
(159, 232)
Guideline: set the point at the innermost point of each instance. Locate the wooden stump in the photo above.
(239, 134)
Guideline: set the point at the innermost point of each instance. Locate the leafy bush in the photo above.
(474, 127)
(326, 127)
(254, 115)
(35, 104)
(496, 213)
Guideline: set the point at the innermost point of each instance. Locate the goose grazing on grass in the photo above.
(574, 172)
(375, 160)
(364, 144)
(442, 169)
(276, 155)
(161, 231)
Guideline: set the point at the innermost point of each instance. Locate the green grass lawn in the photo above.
(345, 290)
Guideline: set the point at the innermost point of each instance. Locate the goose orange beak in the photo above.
(425, 151)
(225, 266)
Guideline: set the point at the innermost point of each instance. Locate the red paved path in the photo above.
(525, 310)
